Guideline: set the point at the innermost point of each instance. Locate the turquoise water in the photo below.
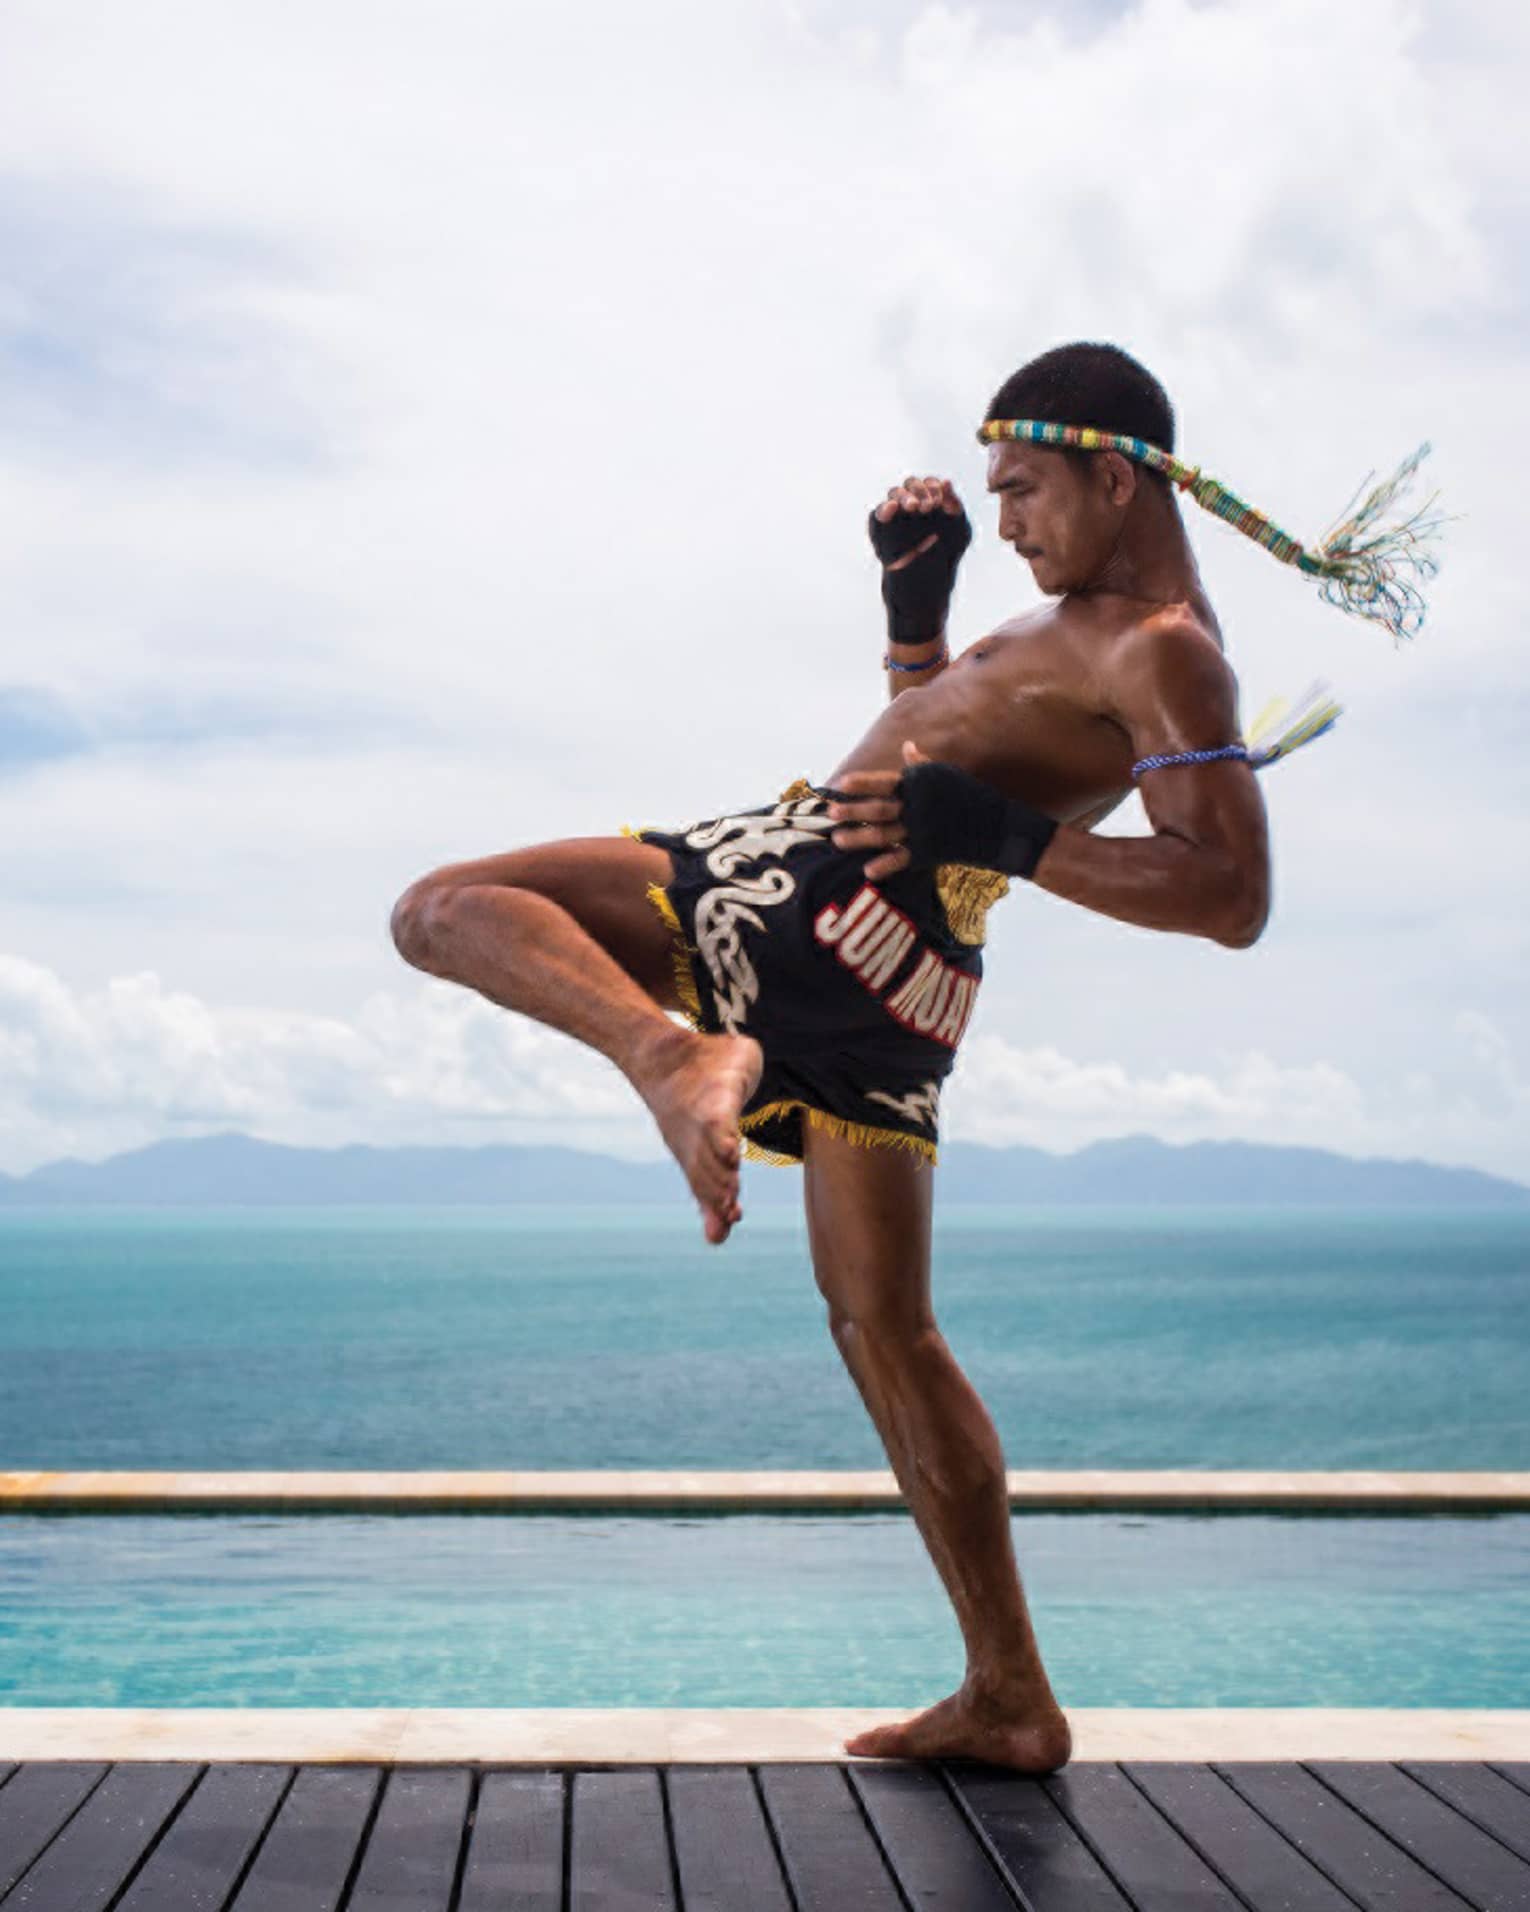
(616, 1338)
(372, 1610)
(545, 1338)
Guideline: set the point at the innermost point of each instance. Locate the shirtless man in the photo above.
(1053, 708)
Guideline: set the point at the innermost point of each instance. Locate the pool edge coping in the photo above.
(648, 1736)
(736, 1491)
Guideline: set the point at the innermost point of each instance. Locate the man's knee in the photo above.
(890, 1324)
(421, 918)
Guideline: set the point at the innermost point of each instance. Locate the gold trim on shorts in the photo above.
(862, 1134)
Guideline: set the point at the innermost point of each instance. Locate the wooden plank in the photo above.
(1465, 1857)
(1034, 1841)
(308, 1854)
(1266, 1871)
(7, 1767)
(86, 1865)
(935, 1856)
(196, 1864)
(1157, 1869)
(1487, 1798)
(618, 1849)
(1378, 1875)
(409, 1863)
(515, 1855)
(34, 1804)
(831, 1859)
(723, 1850)
(1516, 1771)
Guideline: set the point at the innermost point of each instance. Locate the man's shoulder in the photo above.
(1170, 640)
(1166, 657)
(1178, 627)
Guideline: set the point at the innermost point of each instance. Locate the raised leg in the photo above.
(564, 932)
(868, 1215)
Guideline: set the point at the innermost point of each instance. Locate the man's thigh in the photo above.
(868, 1217)
(603, 884)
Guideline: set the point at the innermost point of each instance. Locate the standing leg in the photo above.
(564, 932)
(868, 1215)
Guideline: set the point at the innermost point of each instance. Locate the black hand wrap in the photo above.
(918, 596)
(952, 817)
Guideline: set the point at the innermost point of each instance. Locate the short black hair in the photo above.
(1088, 383)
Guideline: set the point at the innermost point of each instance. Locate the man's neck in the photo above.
(1152, 558)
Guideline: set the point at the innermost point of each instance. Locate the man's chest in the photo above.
(1036, 717)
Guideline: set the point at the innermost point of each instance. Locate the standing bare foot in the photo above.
(963, 1726)
(696, 1085)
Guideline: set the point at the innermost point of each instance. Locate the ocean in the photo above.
(615, 1337)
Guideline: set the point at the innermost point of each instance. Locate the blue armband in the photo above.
(1189, 756)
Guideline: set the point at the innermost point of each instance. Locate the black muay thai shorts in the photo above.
(858, 993)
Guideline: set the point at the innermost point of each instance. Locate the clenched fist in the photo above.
(919, 532)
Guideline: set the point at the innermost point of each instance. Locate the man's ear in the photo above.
(1120, 478)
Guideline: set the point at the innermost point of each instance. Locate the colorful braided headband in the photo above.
(1360, 561)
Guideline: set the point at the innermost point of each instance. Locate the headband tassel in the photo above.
(1362, 563)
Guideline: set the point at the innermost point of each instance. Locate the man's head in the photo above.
(1062, 509)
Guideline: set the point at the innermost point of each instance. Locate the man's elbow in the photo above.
(1243, 924)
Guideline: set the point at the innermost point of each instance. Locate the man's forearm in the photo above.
(1158, 882)
(931, 655)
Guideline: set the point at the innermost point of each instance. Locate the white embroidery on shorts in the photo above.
(919, 1105)
(728, 843)
(718, 913)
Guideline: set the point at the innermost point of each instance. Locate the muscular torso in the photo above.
(1028, 708)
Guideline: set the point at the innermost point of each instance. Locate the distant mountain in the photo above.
(218, 1170)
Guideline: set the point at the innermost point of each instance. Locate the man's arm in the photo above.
(930, 655)
(1205, 870)
(924, 659)
(1099, 813)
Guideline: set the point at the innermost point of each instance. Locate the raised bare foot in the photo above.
(696, 1086)
(964, 1727)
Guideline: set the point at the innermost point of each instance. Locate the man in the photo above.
(826, 949)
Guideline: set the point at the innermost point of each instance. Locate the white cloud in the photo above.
(1034, 1094)
(95, 1072)
(492, 399)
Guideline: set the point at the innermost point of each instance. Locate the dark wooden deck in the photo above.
(1310, 1836)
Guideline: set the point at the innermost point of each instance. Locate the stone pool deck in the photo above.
(639, 1736)
(1058, 1490)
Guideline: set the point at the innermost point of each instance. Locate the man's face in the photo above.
(1058, 518)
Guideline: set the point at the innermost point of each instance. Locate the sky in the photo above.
(430, 430)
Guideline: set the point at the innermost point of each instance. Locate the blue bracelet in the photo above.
(1190, 756)
(940, 657)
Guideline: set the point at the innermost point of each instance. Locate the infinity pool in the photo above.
(750, 1610)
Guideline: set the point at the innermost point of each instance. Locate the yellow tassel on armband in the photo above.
(1279, 729)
